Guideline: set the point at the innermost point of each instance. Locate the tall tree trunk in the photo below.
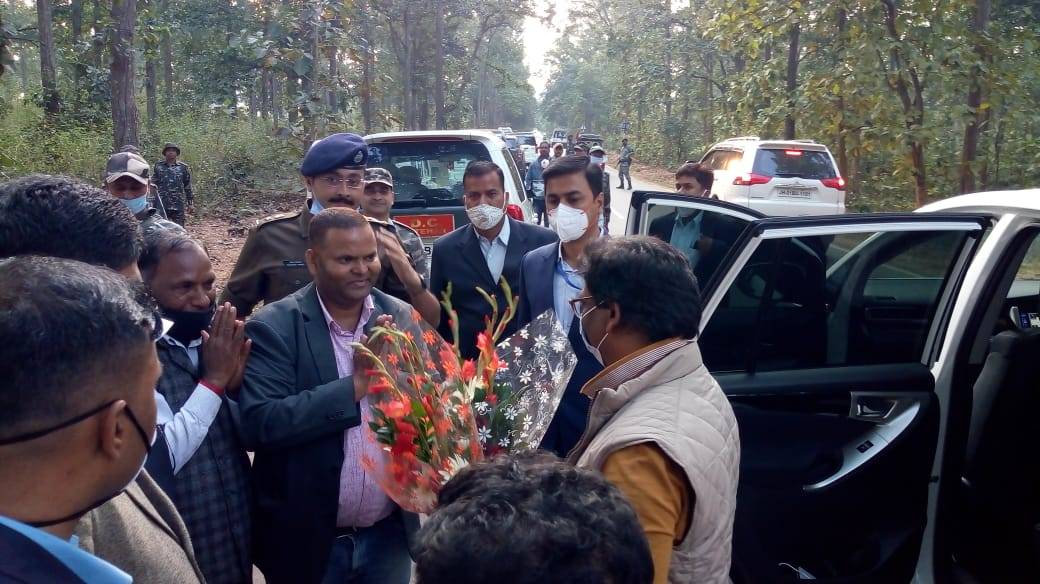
(98, 40)
(332, 95)
(975, 82)
(367, 65)
(151, 100)
(668, 87)
(292, 88)
(842, 139)
(792, 79)
(23, 70)
(78, 70)
(274, 92)
(124, 104)
(911, 95)
(48, 78)
(440, 119)
(265, 93)
(167, 58)
(709, 100)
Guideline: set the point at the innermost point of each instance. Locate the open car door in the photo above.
(822, 332)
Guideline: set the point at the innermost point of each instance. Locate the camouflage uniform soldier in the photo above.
(271, 265)
(173, 180)
(126, 178)
(625, 163)
(379, 198)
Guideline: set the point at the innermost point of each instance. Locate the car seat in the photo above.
(1000, 484)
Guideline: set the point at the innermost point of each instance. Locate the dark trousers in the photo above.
(371, 555)
(623, 174)
(540, 218)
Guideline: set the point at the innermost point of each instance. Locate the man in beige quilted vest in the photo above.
(660, 427)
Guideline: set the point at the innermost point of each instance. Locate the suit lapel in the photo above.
(317, 332)
(516, 249)
(470, 251)
(544, 277)
(138, 497)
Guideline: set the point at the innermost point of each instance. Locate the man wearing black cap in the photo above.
(126, 178)
(173, 179)
(271, 265)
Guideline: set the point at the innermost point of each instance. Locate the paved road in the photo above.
(620, 199)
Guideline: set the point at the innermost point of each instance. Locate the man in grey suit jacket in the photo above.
(319, 516)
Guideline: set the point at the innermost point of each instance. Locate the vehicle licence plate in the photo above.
(429, 225)
(798, 194)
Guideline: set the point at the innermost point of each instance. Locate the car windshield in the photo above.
(510, 142)
(426, 174)
(528, 140)
(793, 162)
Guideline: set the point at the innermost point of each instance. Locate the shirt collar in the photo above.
(196, 343)
(88, 567)
(633, 365)
(366, 313)
(503, 235)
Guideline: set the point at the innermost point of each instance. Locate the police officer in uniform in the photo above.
(271, 265)
(173, 180)
(126, 178)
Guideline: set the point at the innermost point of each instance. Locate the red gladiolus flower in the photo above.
(483, 341)
(396, 409)
(469, 370)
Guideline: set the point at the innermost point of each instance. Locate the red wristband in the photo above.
(212, 387)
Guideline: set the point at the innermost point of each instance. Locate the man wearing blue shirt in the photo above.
(551, 277)
(77, 410)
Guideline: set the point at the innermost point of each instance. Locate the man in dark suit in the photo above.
(703, 237)
(319, 515)
(77, 416)
(478, 255)
(551, 277)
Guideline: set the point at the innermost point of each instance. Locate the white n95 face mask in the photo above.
(485, 216)
(569, 223)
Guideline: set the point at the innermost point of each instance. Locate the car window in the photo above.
(426, 174)
(1022, 306)
(779, 162)
(528, 140)
(512, 171)
(723, 159)
(703, 236)
(830, 301)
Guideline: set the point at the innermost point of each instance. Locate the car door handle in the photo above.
(891, 414)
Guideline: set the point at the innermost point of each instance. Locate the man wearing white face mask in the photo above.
(551, 278)
(479, 255)
(126, 178)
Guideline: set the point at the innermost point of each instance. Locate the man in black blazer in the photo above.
(318, 513)
(477, 255)
(551, 277)
(704, 237)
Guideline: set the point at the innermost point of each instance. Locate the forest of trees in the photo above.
(246, 85)
(917, 99)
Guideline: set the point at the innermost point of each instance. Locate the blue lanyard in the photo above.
(566, 278)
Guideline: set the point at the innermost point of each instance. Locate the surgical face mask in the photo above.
(148, 443)
(316, 206)
(136, 205)
(596, 159)
(594, 350)
(569, 223)
(485, 216)
(189, 324)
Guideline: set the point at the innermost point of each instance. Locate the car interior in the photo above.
(993, 514)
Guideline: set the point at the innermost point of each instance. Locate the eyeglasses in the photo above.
(576, 304)
(334, 181)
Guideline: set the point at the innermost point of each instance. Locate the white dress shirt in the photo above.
(495, 251)
(185, 430)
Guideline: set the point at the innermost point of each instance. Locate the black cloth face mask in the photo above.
(189, 324)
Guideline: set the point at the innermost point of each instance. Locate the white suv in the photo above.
(777, 177)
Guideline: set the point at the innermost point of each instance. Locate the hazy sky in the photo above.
(539, 37)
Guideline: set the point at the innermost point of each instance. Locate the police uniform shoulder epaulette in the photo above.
(406, 226)
(276, 217)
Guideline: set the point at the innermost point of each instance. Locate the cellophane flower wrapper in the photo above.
(420, 414)
(534, 367)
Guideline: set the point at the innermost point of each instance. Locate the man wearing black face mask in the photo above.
(202, 368)
(77, 416)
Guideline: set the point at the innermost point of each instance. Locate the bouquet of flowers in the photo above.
(432, 412)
